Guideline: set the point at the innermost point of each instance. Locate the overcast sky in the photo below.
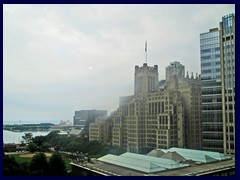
(62, 58)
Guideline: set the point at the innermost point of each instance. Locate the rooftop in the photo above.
(181, 154)
(143, 163)
(167, 162)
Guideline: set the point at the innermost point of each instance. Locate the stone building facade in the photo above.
(100, 130)
(159, 118)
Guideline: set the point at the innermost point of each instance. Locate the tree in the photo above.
(39, 140)
(73, 147)
(57, 166)
(28, 137)
(39, 164)
(45, 146)
(32, 147)
(10, 166)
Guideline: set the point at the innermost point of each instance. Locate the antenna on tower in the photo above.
(146, 49)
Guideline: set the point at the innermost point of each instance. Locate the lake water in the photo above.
(16, 137)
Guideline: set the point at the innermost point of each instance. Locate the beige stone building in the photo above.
(100, 130)
(159, 118)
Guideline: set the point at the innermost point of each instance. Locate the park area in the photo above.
(30, 155)
(27, 157)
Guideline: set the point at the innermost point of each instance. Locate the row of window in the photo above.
(212, 56)
(213, 145)
(210, 64)
(215, 106)
(211, 99)
(228, 42)
(211, 83)
(209, 76)
(208, 46)
(210, 50)
(213, 136)
(209, 34)
(212, 91)
(207, 41)
(211, 70)
(212, 117)
(212, 127)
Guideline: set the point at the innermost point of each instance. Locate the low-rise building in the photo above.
(100, 130)
(159, 162)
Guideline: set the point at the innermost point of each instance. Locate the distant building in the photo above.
(162, 84)
(83, 117)
(14, 147)
(175, 69)
(75, 132)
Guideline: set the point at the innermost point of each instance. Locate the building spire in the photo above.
(146, 49)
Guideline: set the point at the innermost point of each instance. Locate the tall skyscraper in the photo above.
(227, 44)
(212, 123)
(217, 48)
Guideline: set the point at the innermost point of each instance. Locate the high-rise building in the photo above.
(217, 48)
(227, 44)
(189, 89)
(212, 123)
(157, 117)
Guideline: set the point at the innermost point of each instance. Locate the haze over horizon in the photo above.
(61, 58)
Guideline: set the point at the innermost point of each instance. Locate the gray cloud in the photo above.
(61, 58)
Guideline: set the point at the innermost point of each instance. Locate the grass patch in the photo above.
(21, 159)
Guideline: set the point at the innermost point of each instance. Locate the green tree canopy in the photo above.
(28, 137)
(57, 165)
(39, 140)
(13, 168)
(10, 166)
(45, 146)
(73, 147)
(39, 164)
(32, 147)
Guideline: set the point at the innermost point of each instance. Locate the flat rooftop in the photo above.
(114, 170)
(172, 162)
(142, 163)
(161, 162)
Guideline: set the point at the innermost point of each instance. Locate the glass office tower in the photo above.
(217, 49)
(212, 122)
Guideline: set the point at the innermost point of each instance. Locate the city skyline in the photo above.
(62, 58)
